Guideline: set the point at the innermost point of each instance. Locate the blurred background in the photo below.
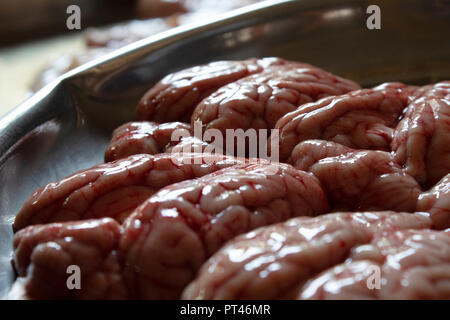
(36, 45)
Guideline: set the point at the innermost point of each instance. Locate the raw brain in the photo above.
(415, 264)
(422, 139)
(436, 201)
(154, 220)
(363, 119)
(357, 180)
(285, 260)
(259, 100)
(43, 253)
(166, 240)
(147, 137)
(176, 95)
(262, 88)
(114, 189)
(143, 137)
(250, 94)
(169, 236)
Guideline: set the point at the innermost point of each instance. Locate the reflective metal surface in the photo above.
(65, 126)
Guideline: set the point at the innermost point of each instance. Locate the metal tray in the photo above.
(66, 125)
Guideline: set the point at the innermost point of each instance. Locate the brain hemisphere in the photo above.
(113, 189)
(175, 96)
(439, 89)
(142, 137)
(43, 253)
(259, 100)
(413, 264)
(170, 235)
(421, 141)
(190, 144)
(362, 119)
(366, 180)
(308, 152)
(436, 201)
(276, 261)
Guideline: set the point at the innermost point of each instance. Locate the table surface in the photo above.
(21, 65)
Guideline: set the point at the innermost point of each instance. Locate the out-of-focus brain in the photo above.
(311, 258)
